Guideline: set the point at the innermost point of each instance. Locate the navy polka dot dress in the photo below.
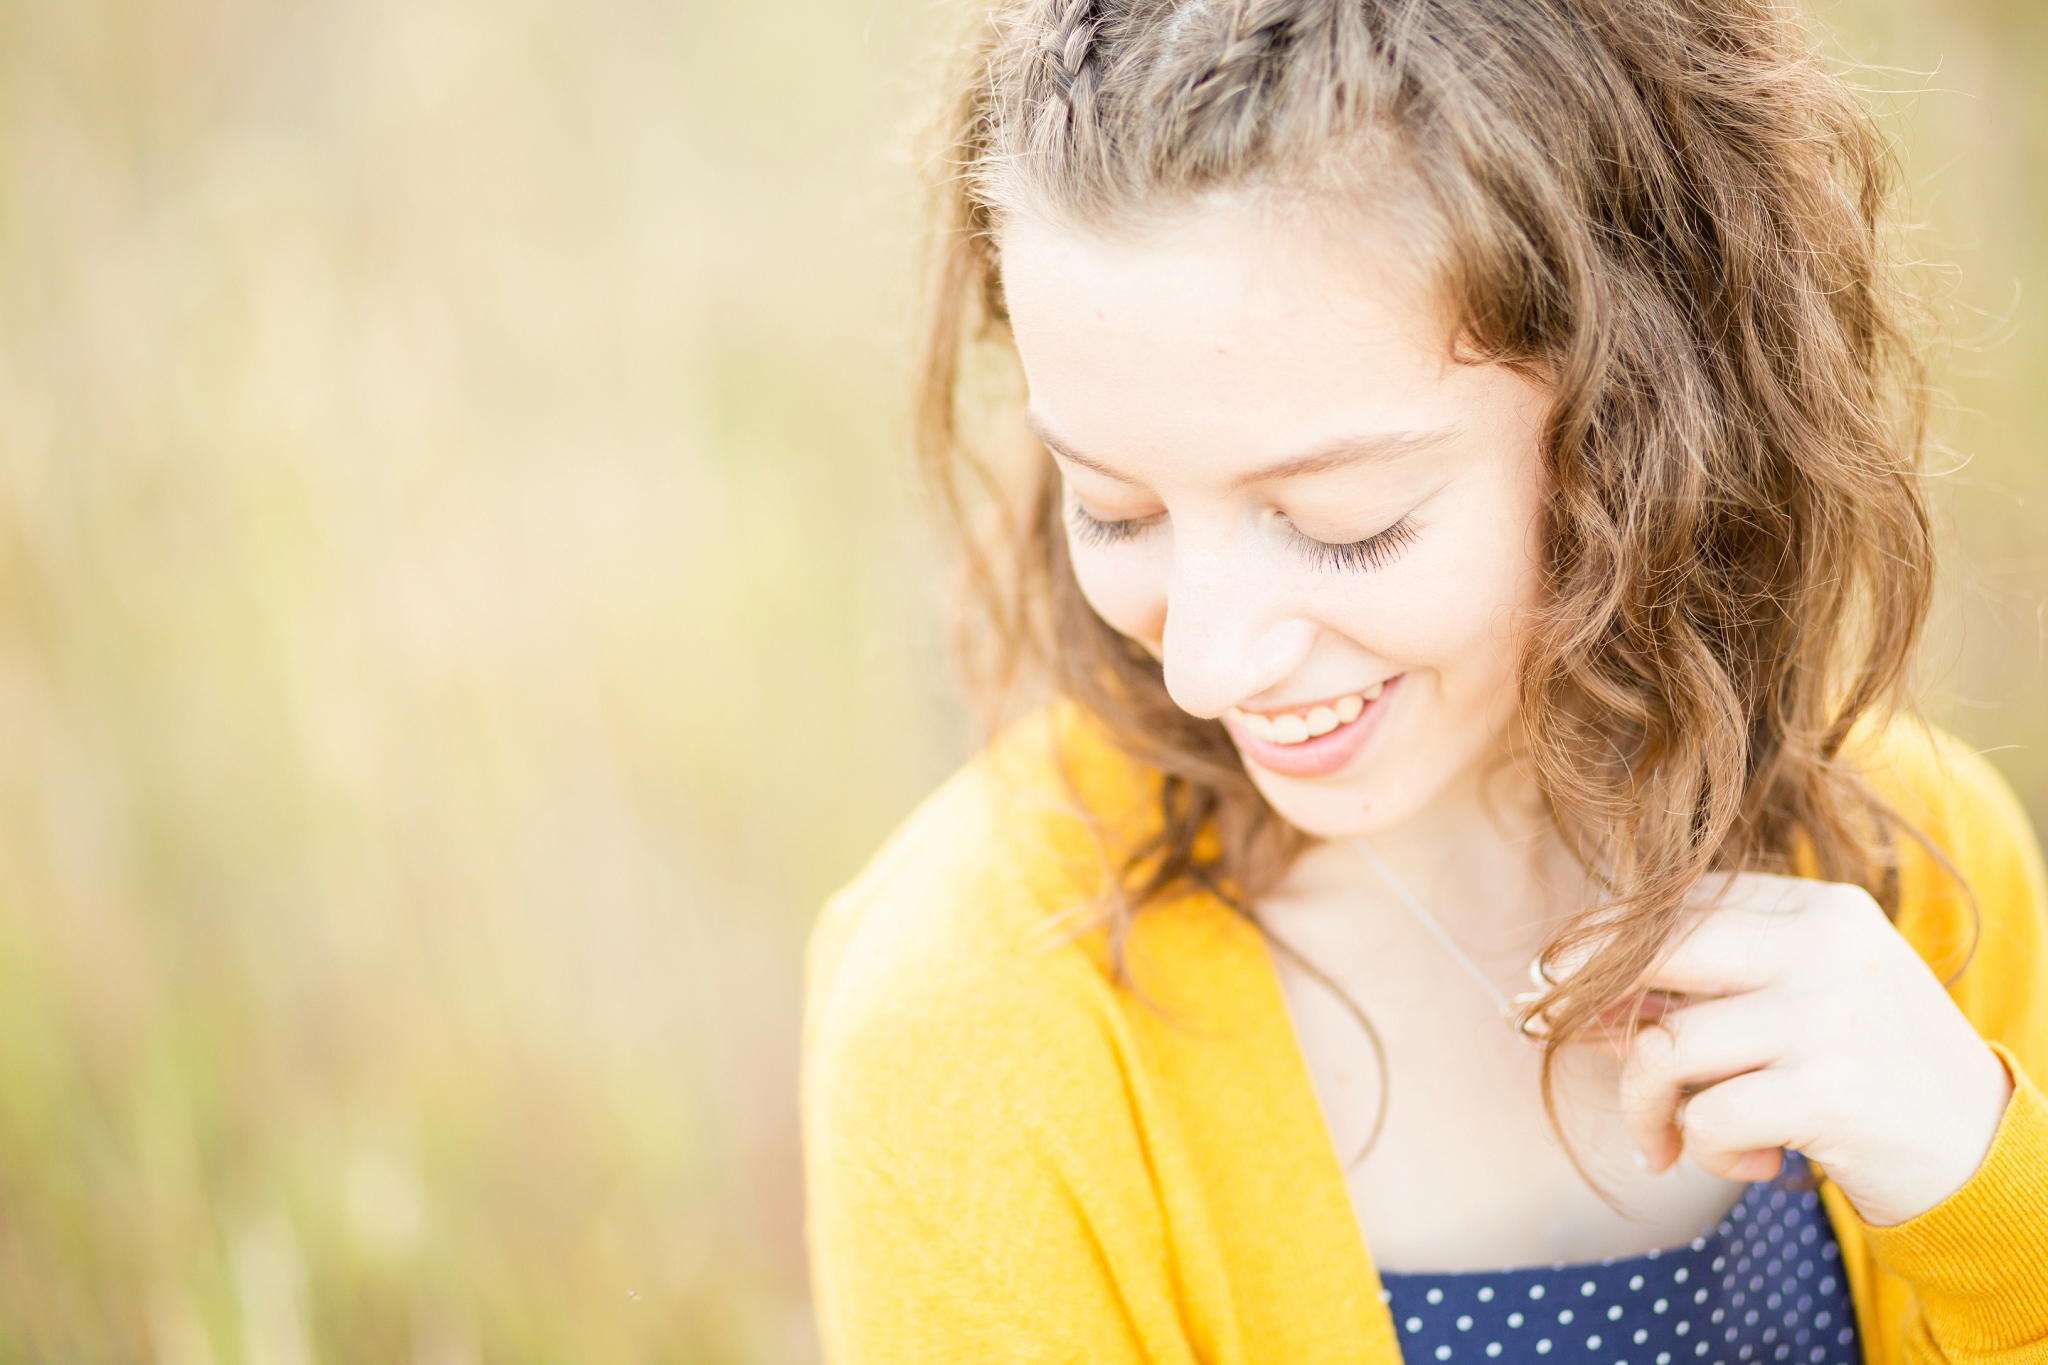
(1764, 1287)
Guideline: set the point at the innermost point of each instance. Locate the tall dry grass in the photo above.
(461, 612)
(461, 608)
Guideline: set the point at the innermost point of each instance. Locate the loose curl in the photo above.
(1673, 213)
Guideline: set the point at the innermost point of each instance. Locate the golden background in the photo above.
(463, 605)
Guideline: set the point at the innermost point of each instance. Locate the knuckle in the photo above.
(1845, 901)
(1646, 1069)
(1709, 1115)
(1653, 1048)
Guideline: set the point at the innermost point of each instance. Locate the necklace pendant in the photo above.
(1524, 1017)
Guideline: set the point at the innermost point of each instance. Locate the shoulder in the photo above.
(1009, 856)
(975, 1151)
(1972, 897)
(960, 957)
(1954, 797)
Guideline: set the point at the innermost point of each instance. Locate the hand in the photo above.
(1811, 1024)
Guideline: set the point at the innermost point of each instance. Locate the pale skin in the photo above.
(1230, 394)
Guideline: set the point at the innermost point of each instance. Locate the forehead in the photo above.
(1227, 332)
(1225, 266)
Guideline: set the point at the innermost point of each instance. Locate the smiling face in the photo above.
(1281, 483)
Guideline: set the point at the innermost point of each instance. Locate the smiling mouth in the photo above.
(1301, 726)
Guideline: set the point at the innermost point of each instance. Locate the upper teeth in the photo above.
(1292, 727)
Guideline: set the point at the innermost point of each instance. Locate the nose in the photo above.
(1227, 636)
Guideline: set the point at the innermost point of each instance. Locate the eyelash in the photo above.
(1371, 553)
(1095, 532)
(1355, 556)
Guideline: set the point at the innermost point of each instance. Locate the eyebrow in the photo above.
(1342, 453)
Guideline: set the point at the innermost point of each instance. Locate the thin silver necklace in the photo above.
(1501, 1002)
(1508, 1008)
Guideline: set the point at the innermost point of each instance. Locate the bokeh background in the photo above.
(463, 604)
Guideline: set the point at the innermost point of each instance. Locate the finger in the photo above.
(1683, 1054)
(1727, 952)
(1736, 1129)
(1763, 1164)
(1761, 892)
(1752, 927)
(1752, 893)
(1613, 1031)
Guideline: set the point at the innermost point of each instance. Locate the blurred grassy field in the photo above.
(462, 606)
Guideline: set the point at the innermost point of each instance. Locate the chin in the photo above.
(1350, 809)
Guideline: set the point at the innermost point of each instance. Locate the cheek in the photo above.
(1453, 610)
(1126, 585)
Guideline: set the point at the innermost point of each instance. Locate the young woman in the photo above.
(1475, 898)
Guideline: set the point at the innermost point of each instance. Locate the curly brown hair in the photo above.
(1670, 210)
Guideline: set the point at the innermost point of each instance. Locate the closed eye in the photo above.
(1359, 555)
(1092, 530)
(1353, 556)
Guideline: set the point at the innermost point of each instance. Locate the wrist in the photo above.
(1974, 1260)
(1922, 1184)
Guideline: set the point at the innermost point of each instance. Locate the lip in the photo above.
(1323, 755)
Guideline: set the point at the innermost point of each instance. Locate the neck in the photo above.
(1486, 862)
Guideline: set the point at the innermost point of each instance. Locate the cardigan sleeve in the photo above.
(1977, 1263)
(976, 1172)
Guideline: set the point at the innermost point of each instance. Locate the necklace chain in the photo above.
(1436, 931)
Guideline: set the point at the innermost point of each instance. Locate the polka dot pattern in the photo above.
(1765, 1287)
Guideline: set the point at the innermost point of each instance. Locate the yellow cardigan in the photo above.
(1010, 1159)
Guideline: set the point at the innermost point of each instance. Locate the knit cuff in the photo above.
(1978, 1260)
